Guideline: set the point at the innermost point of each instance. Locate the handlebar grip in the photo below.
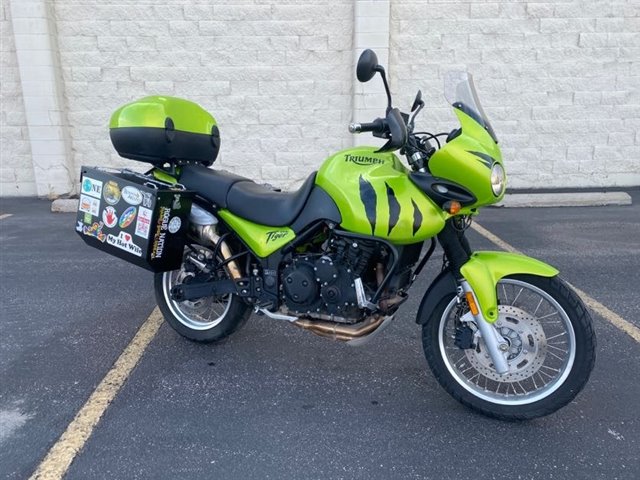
(375, 126)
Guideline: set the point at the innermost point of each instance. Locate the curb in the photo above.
(578, 199)
(64, 205)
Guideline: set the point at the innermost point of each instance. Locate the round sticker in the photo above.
(111, 193)
(110, 217)
(127, 217)
(174, 224)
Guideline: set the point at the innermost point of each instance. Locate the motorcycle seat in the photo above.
(244, 197)
(262, 205)
(214, 185)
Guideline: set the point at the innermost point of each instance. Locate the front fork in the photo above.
(458, 252)
(495, 343)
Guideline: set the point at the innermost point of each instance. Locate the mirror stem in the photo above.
(380, 69)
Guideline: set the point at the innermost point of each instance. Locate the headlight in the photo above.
(497, 179)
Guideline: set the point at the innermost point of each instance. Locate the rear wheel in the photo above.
(206, 319)
(551, 350)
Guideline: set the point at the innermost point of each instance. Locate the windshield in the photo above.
(461, 93)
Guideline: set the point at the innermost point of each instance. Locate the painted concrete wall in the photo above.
(16, 168)
(560, 80)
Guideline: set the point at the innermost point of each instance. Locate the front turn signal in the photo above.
(452, 207)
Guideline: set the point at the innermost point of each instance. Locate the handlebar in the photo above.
(377, 126)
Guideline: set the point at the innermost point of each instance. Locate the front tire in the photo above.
(551, 350)
(204, 320)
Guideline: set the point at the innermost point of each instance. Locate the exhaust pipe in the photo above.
(336, 331)
(204, 228)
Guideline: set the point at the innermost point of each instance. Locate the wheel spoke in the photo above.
(517, 296)
(556, 336)
(557, 348)
(553, 354)
(536, 310)
(504, 290)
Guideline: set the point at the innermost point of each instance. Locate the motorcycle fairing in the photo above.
(467, 160)
(484, 270)
(375, 196)
(263, 240)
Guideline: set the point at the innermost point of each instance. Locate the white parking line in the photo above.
(611, 317)
(5, 215)
(63, 452)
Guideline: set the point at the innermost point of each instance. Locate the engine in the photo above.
(323, 285)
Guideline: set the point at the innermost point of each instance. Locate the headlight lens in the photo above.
(497, 179)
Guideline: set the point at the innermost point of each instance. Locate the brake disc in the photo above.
(527, 346)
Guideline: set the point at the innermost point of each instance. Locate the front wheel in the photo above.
(551, 350)
(206, 319)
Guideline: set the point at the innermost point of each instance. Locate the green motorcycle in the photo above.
(502, 333)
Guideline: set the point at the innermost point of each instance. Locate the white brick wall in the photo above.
(16, 168)
(559, 79)
(276, 77)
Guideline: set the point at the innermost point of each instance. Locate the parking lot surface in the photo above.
(276, 402)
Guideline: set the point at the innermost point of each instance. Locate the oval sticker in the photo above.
(127, 217)
(111, 193)
(175, 224)
(132, 195)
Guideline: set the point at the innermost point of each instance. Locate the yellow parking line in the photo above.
(63, 452)
(611, 317)
(5, 215)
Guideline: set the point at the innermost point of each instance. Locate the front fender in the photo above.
(485, 269)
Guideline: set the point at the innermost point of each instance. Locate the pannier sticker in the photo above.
(174, 224)
(95, 230)
(88, 218)
(147, 199)
(109, 217)
(127, 217)
(176, 203)
(89, 205)
(160, 234)
(132, 195)
(143, 224)
(111, 192)
(124, 241)
(92, 187)
(79, 226)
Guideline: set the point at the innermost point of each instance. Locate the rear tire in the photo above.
(552, 351)
(204, 320)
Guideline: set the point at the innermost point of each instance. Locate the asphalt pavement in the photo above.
(277, 402)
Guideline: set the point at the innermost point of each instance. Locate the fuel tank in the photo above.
(376, 197)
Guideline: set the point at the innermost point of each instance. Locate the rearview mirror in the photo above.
(367, 66)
